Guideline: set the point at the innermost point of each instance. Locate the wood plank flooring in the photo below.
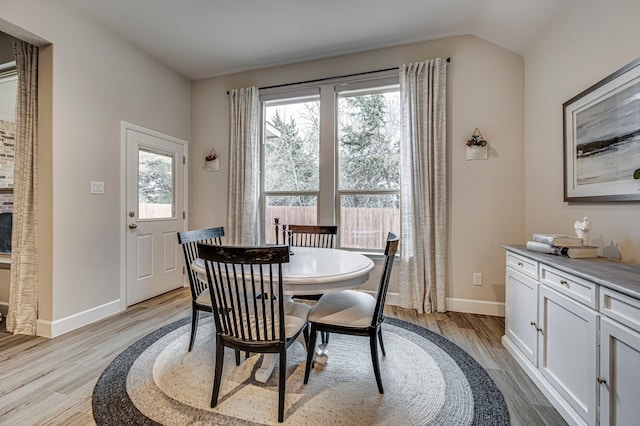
(51, 381)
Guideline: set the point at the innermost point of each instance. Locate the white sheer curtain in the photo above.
(244, 167)
(423, 194)
(23, 290)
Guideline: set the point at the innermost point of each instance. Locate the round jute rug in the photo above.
(428, 380)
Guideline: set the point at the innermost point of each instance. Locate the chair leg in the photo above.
(195, 314)
(282, 385)
(311, 351)
(237, 357)
(325, 337)
(305, 334)
(374, 357)
(218, 373)
(381, 342)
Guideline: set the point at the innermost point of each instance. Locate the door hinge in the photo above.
(183, 270)
(184, 160)
(184, 215)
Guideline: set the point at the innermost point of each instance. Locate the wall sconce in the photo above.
(212, 162)
(477, 148)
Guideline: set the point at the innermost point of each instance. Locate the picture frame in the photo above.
(601, 129)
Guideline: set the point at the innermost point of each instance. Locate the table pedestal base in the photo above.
(269, 361)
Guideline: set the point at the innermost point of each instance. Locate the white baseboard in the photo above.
(64, 325)
(392, 299)
(481, 307)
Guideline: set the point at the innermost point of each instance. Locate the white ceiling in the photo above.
(206, 38)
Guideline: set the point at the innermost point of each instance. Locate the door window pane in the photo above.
(155, 185)
(298, 209)
(366, 219)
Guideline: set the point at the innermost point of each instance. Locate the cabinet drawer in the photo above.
(620, 307)
(523, 265)
(576, 288)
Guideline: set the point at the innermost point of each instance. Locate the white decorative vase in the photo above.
(212, 165)
(477, 152)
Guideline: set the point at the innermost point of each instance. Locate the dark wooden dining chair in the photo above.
(200, 298)
(247, 323)
(354, 313)
(322, 236)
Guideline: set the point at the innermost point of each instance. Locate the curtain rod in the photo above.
(331, 78)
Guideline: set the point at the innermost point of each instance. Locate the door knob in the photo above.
(132, 226)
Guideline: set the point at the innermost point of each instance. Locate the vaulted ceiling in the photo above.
(205, 38)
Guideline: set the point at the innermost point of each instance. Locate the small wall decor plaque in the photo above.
(212, 163)
(477, 146)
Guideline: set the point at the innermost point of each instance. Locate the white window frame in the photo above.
(328, 195)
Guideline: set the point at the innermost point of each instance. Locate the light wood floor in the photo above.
(50, 381)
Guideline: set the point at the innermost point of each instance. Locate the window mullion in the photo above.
(328, 156)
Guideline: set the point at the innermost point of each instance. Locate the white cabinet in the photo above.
(522, 313)
(568, 351)
(619, 377)
(573, 331)
(552, 336)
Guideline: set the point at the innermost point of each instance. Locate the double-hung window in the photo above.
(331, 155)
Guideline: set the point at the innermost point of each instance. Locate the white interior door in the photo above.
(154, 213)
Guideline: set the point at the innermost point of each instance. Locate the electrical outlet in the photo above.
(477, 278)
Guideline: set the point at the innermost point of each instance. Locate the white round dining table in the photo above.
(312, 270)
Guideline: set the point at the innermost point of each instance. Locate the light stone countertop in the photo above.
(618, 276)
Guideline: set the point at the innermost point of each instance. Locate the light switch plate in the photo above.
(97, 187)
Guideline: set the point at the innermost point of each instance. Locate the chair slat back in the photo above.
(235, 276)
(322, 236)
(189, 240)
(389, 256)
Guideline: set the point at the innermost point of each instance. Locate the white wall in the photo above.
(587, 42)
(97, 80)
(485, 90)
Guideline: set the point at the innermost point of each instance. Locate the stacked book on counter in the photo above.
(561, 245)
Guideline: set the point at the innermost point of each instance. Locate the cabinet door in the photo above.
(522, 313)
(619, 374)
(568, 350)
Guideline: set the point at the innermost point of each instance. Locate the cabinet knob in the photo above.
(564, 282)
(520, 264)
(602, 381)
